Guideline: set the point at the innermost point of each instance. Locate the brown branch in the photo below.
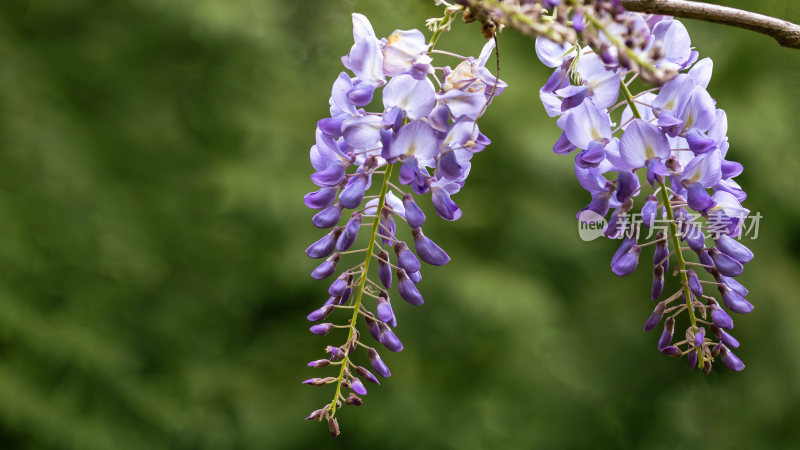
(786, 33)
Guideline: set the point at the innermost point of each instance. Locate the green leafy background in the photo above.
(153, 285)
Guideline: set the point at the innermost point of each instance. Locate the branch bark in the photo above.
(786, 33)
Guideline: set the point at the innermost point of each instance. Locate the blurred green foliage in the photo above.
(153, 157)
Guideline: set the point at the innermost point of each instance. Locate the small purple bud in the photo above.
(428, 251)
(377, 363)
(321, 199)
(655, 317)
(384, 269)
(328, 217)
(733, 284)
(346, 295)
(691, 358)
(321, 313)
(628, 262)
(694, 283)
(731, 361)
(405, 258)
(329, 177)
(658, 283)
(353, 400)
(367, 375)
(627, 243)
(321, 328)
(734, 249)
(316, 414)
(407, 289)
(319, 381)
(720, 318)
(353, 192)
(736, 302)
(333, 426)
(389, 339)
(335, 352)
(373, 327)
(671, 350)
(661, 254)
(725, 264)
(325, 245)
(725, 337)
(666, 335)
(326, 269)
(699, 337)
(695, 238)
(416, 277)
(384, 309)
(414, 215)
(319, 363)
(704, 258)
(358, 387)
(577, 21)
(649, 211)
(337, 287)
(387, 227)
(350, 233)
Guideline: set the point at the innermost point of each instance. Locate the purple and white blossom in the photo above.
(427, 136)
(674, 137)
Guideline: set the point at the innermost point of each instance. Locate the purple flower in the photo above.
(427, 250)
(655, 318)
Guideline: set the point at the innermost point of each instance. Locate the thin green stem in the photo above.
(673, 232)
(360, 293)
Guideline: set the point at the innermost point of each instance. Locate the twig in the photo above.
(786, 33)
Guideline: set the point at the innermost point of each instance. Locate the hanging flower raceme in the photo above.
(674, 137)
(427, 133)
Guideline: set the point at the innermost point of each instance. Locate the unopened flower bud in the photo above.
(407, 289)
(666, 334)
(724, 263)
(377, 363)
(319, 363)
(333, 426)
(628, 262)
(366, 374)
(384, 269)
(414, 215)
(328, 217)
(655, 317)
(325, 245)
(734, 248)
(428, 251)
(353, 193)
(350, 233)
(326, 269)
(353, 400)
(321, 313)
(321, 328)
(406, 258)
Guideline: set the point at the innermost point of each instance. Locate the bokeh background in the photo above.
(153, 284)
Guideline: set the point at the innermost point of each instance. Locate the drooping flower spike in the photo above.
(674, 137)
(424, 134)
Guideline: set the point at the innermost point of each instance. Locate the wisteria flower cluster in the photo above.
(675, 137)
(429, 132)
